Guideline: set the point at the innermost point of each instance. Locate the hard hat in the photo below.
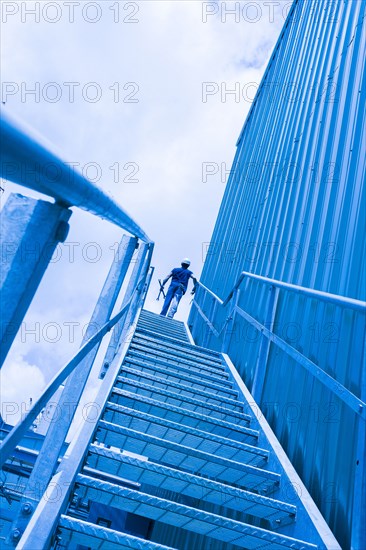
(186, 261)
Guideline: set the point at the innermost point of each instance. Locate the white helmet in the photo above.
(186, 261)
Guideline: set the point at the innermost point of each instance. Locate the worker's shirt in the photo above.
(181, 276)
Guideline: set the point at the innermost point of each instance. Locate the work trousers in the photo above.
(172, 299)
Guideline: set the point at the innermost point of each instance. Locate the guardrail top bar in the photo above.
(324, 296)
(28, 163)
(16, 434)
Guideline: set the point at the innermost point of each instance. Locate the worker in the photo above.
(180, 277)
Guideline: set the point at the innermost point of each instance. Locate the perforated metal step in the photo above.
(178, 444)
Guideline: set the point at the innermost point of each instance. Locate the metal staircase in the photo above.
(174, 451)
(181, 449)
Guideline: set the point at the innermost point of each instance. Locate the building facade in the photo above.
(294, 211)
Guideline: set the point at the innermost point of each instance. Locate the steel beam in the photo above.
(30, 231)
(24, 160)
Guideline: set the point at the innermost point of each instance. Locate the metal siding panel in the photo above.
(294, 209)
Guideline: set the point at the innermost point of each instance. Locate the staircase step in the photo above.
(151, 316)
(178, 333)
(186, 351)
(184, 390)
(143, 473)
(177, 374)
(163, 325)
(184, 435)
(185, 517)
(192, 460)
(76, 531)
(176, 361)
(174, 448)
(146, 334)
(238, 432)
(204, 407)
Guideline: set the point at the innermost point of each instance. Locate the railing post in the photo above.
(230, 322)
(70, 396)
(42, 525)
(115, 340)
(30, 231)
(147, 284)
(210, 317)
(261, 365)
(359, 491)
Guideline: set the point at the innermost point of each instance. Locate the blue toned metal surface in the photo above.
(268, 335)
(294, 211)
(131, 306)
(23, 425)
(74, 386)
(186, 453)
(40, 529)
(24, 160)
(25, 225)
(82, 532)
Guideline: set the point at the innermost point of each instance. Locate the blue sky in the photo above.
(140, 99)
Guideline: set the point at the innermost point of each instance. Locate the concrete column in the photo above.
(30, 231)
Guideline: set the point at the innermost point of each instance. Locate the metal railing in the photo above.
(40, 527)
(51, 450)
(268, 336)
(25, 161)
(15, 435)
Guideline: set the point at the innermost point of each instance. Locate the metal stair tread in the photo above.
(157, 336)
(144, 472)
(167, 326)
(203, 438)
(171, 346)
(110, 539)
(145, 313)
(184, 399)
(177, 360)
(212, 525)
(159, 327)
(154, 330)
(179, 386)
(217, 423)
(182, 374)
(190, 459)
(166, 442)
(199, 353)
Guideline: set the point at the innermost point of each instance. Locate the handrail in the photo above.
(324, 296)
(43, 523)
(16, 434)
(25, 161)
(210, 292)
(356, 404)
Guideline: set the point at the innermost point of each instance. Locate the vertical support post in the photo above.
(193, 311)
(70, 397)
(30, 231)
(115, 340)
(147, 284)
(261, 365)
(359, 506)
(210, 316)
(43, 523)
(230, 323)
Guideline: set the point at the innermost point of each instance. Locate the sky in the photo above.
(147, 99)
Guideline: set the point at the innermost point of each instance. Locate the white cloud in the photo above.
(20, 382)
(169, 133)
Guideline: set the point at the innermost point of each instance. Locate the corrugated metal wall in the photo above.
(294, 210)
